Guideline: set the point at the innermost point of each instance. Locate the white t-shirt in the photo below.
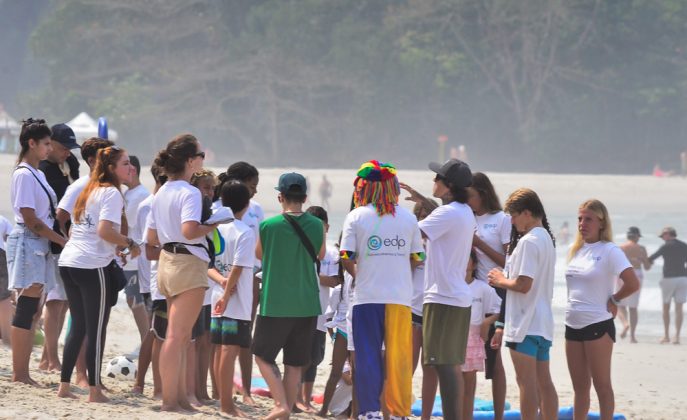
(418, 289)
(175, 203)
(449, 230)
(494, 229)
(70, 196)
(143, 262)
(382, 247)
(133, 199)
(5, 229)
(484, 301)
(239, 250)
(85, 249)
(329, 266)
(26, 192)
(530, 313)
(339, 301)
(591, 277)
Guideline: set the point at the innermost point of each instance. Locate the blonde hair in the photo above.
(606, 231)
(201, 175)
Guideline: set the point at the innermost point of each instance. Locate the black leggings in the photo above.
(89, 306)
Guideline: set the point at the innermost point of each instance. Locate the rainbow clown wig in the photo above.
(377, 184)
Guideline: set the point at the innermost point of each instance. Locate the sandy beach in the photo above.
(648, 377)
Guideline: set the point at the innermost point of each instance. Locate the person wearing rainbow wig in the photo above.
(381, 243)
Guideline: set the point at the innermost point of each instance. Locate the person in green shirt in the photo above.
(289, 300)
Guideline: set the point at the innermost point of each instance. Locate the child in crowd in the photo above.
(231, 315)
(328, 278)
(486, 305)
(206, 182)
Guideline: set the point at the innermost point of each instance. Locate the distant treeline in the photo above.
(526, 85)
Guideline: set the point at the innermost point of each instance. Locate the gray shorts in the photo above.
(674, 288)
(132, 290)
(29, 260)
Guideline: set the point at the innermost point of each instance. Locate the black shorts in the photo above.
(316, 355)
(202, 324)
(293, 335)
(490, 361)
(591, 332)
(230, 332)
(416, 319)
(159, 321)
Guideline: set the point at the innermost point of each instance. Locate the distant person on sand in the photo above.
(563, 236)
(325, 191)
(674, 282)
(638, 257)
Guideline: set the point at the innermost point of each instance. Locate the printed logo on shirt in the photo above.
(593, 258)
(375, 243)
(88, 221)
(491, 226)
(222, 268)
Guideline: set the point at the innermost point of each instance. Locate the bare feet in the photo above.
(54, 367)
(278, 413)
(234, 411)
(305, 408)
(676, 341)
(322, 414)
(95, 395)
(194, 401)
(623, 334)
(137, 389)
(248, 400)
(633, 340)
(64, 390)
(157, 396)
(665, 340)
(186, 405)
(43, 365)
(25, 380)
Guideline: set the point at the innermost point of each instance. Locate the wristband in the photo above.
(499, 324)
(615, 301)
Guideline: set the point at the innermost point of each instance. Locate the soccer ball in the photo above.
(121, 367)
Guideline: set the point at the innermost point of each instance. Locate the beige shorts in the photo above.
(177, 273)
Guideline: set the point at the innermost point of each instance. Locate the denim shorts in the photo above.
(57, 292)
(29, 260)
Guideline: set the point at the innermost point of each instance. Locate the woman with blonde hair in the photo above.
(86, 265)
(528, 280)
(594, 264)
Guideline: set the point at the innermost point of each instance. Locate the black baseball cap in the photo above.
(634, 231)
(292, 182)
(454, 171)
(64, 135)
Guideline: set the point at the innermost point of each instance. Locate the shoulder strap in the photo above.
(53, 213)
(304, 240)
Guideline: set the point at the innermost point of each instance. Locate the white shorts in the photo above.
(674, 288)
(632, 301)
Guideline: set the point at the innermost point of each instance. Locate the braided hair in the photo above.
(525, 199)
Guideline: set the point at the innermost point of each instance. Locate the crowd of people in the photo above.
(210, 280)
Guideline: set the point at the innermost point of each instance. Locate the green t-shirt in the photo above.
(289, 277)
